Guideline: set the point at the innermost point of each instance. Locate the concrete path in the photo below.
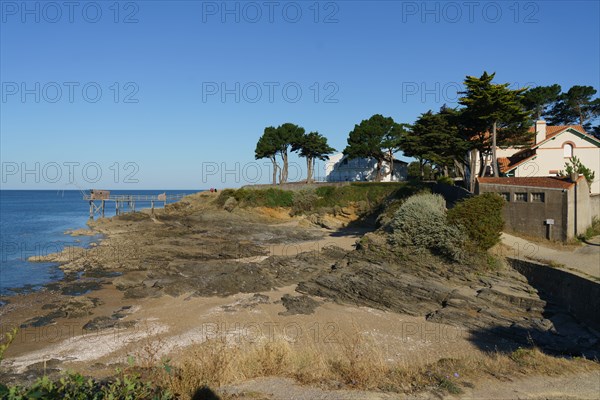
(583, 261)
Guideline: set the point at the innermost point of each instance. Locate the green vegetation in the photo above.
(445, 180)
(312, 146)
(73, 386)
(377, 137)
(370, 194)
(434, 140)
(574, 165)
(257, 198)
(277, 141)
(480, 217)
(576, 106)
(494, 110)
(9, 337)
(592, 230)
(421, 223)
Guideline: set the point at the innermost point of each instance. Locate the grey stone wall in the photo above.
(529, 216)
(580, 296)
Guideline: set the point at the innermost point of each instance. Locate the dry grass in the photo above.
(355, 362)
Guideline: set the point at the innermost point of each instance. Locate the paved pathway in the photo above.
(583, 260)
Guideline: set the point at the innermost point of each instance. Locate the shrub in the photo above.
(445, 180)
(575, 166)
(421, 222)
(230, 204)
(76, 386)
(480, 218)
(304, 201)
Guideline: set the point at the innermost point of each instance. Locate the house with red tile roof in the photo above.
(552, 148)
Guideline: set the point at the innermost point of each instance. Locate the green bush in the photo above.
(304, 201)
(421, 222)
(77, 387)
(445, 180)
(480, 218)
(257, 197)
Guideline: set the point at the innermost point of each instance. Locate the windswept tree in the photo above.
(277, 141)
(267, 147)
(493, 111)
(434, 139)
(576, 106)
(312, 146)
(367, 139)
(288, 134)
(392, 143)
(538, 99)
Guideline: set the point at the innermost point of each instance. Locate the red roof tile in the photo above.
(553, 130)
(541, 181)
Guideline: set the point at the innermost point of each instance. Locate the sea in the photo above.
(34, 222)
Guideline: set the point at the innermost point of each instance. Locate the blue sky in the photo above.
(187, 87)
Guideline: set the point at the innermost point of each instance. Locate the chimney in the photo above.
(540, 131)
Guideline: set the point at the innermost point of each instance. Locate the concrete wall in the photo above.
(580, 296)
(579, 215)
(529, 217)
(595, 205)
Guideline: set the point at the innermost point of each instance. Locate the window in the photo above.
(537, 197)
(505, 196)
(521, 197)
(567, 150)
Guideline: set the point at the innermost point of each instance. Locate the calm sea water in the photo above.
(33, 222)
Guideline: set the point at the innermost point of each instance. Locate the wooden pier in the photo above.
(124, 202)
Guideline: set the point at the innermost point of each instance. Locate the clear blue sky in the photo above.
(395, 58)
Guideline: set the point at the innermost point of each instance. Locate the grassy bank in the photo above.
(367, 195)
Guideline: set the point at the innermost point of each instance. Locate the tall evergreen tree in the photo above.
(367, 139)
(312, 146)
(495, 111)
(392, 142)
(537, 99)
(435, 139)
(288, 134)
(576, 106)
(267, 147)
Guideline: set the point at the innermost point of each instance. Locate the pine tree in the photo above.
(576, 107)
(267, 147)
(312, 146)
(493, 111)
(537, 99)
(367, 139)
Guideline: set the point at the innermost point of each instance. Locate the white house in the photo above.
(340, 168)
(552, 148)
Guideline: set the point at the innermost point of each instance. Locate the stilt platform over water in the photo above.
(125, 202)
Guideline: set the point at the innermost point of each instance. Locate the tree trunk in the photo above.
(472, 167)
(421, 168)
(391, 166)
(494, 158)
(482, 163)
(275, 167)
(308, 169)
(379, 164)
(284, 170)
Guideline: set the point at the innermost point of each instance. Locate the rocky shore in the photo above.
(165, 278)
